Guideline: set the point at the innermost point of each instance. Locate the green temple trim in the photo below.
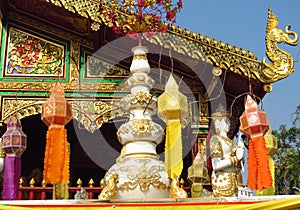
(200, 131)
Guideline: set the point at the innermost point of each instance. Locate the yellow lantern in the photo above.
(173, 109)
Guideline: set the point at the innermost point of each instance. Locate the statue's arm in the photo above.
(218, 162)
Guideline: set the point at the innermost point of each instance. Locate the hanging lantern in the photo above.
(56, 110)
(56, 114)
(14, 139)
(254, 121)
(173, 109)
(14, 144)
(254, 124)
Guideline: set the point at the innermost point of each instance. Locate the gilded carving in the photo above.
(141, 98)
(74, 54)
(98, 68)
(87, 9)
(176, 189)
(22, 108)
(142, 176)
(29, 55)
(110, 191)
(282, 62)
(140, 57)
(178, 44)
(91, 114)
(140, 129)
(229, 187)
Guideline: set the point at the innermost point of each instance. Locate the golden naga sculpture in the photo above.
(176, 189)
(282, 62)
(110, 190)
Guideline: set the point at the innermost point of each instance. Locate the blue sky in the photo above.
(243, 23)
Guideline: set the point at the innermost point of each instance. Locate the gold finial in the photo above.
(91, 183)
(32, 182)
(79, 183)
(102, 183)
(44, 183)
(21, 182)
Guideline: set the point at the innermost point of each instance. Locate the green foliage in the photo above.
(287, 157)
(296, 116)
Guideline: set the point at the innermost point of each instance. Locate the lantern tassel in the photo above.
(259, 175)
(173, 149)
(56, 162)
(12, 174)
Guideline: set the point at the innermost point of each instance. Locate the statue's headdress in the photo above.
(220, 113)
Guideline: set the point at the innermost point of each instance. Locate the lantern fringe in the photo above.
(271, 190)
(259, 175)
(56, 162)
(173, 149)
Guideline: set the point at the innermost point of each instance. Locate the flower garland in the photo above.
(139, 16)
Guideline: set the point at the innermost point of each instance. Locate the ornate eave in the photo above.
(221, 54)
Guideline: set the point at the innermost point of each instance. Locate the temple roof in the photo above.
(234, 66)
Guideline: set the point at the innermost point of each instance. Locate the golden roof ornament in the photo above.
(282, 62)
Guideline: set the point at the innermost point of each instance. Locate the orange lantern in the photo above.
(254, 124)
(56, 114)
(56, 110)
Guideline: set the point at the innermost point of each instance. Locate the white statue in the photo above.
(226, 157)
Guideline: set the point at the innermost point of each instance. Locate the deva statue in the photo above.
(225, 155)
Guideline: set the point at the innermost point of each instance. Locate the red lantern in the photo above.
(254, 121)
(14, 139)
(14, 144)
(254, 124)
(56, 114)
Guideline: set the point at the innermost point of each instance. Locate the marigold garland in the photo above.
(56, 162)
